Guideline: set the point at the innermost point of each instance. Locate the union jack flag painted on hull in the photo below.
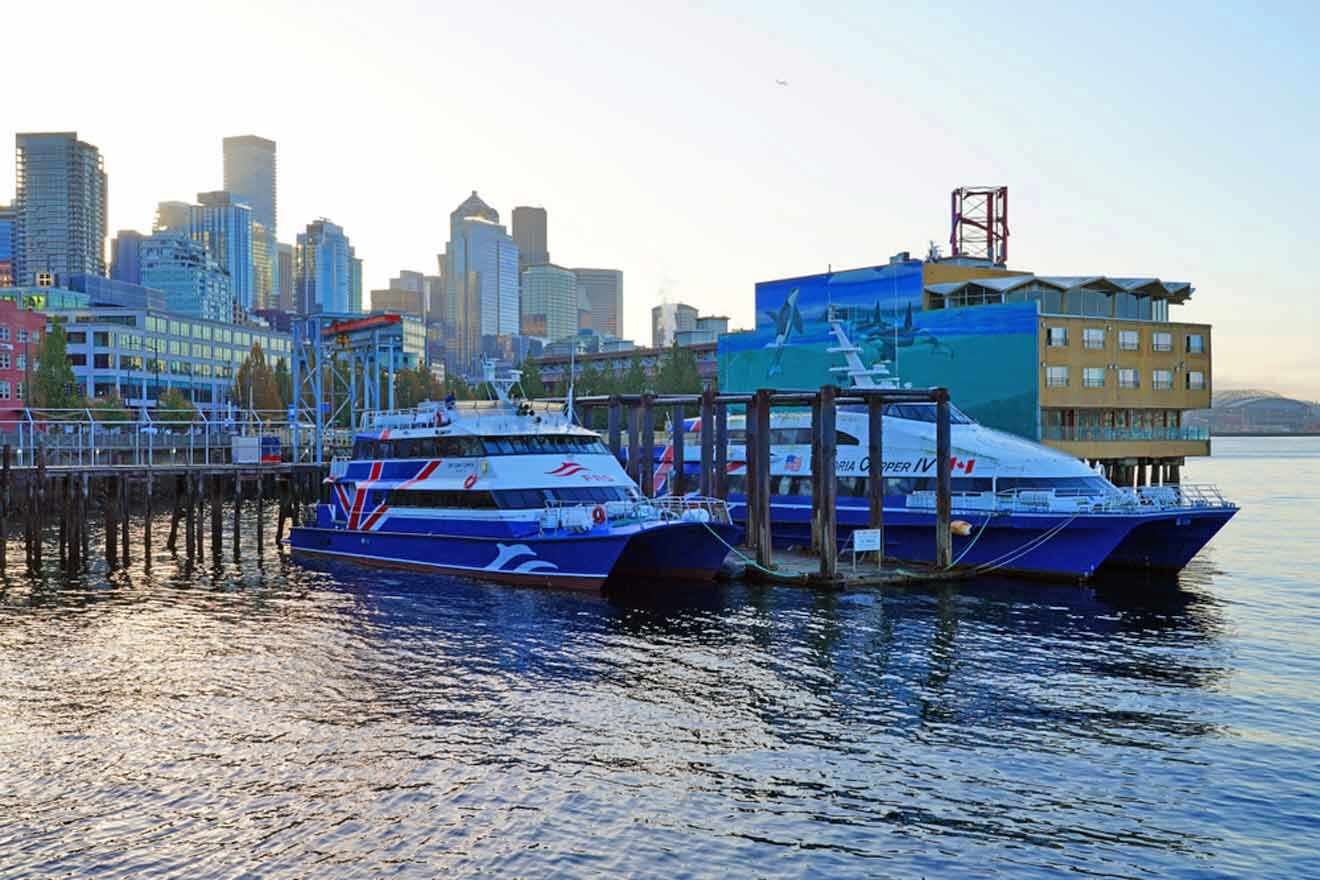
(358, 518)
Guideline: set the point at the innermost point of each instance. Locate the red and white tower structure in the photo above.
(980, 223)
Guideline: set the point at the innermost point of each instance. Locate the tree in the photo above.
(283, 382)
(255, 384)
(111, 409)
(54, 385)
(678, 372)
(411, 387)
(175, 409)
(532, 384)
(635, 380)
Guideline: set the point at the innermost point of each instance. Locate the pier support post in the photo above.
(147, 509)
(217, 524)
(125, 496)
(199, 517)
(261, 514)
(238, 507)
(677, 443)
(111, 498)
(758, 476)
(943, 481)
(172, 542)
(634, 444)
(721, 475)
(875, 482)
(827, 513)
(6, 507)
(84, 507)
(189, 516)
(282, 491)
(39, 514)
(816, 475)
(65, 520)
(706, 485)
(646, 461)
(614, 424)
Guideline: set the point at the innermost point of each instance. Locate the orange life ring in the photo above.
(598, 515)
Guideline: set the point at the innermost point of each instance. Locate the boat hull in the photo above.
(578, 561)
(1168, 541)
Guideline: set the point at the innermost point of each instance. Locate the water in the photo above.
(281, 720)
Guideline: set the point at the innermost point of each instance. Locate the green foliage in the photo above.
(678, 372)
(411, 387)
(53, 384)
(634, 379)
(111, 409)
(532, 384)
(175, 408)
(255, 384)
(456, 386)
(283, 381)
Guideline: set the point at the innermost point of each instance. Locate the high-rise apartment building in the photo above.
(406, 295)
(481, 278)
(172, 217)
(529, 233)
(328, 273)
(60, 207)
(603, 289)
(670, 319)
(224, 225)
(549, 302)
(284, 276)
(193, 282)
(250, 177)
(126, 256)
(6, 246)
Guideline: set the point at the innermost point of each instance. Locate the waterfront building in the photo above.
(670, 319)
(224, 225)
(60, 207)
(112, 292)
(328, 274)
(139, 354)
(126, 256)
(44, 299)
(549, 307)
(264, 280)
(21, 330)
(173, 217)
(530, 234)
(707, 328)
(481, 282)
(1091, 365)
(284, 277)
(194, 284)
(616, 357)
(603, 289)
(6, 246)
(389, 338)
(249, 175)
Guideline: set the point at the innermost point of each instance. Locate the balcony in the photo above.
(1060, 434)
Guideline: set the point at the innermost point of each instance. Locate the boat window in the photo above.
(924, 412)
(790, 437)
(525, 499)
(458, 500)
(543, 444)
(1090, 484)
(843, 438)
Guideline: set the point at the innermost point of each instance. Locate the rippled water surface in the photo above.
(274, 719)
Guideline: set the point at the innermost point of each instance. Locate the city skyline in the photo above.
(705, 178)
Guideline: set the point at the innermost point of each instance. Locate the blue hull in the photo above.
(1169, 542)
(584, 560)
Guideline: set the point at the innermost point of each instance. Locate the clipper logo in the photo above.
(567, 469)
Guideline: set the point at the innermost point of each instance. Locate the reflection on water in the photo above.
(323, 720)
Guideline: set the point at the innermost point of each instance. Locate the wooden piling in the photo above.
(646, 462)
(172, 542)
(39, 514)
(758, 476)
(125, 496)
(943, 482)
(875, 484)
(261, 515)
(217, 520)
(634, 445)
(678, 443)
(84, 515)
(827, 438)
(238, 506)
(199, 519)
(64, 521)
(110, 499)
(147, 499)
(705, 485)
(6, 507)
(720, 478)
(282, 492)
(614, 429)
(189, 513)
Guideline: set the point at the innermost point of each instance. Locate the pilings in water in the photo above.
(755, 488)
(125, 500)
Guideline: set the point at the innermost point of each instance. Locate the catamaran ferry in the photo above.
(1018, 506)
(506, 492)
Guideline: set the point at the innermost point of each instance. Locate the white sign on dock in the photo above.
(866, 540)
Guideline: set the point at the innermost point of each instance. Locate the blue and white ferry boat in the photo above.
(506, 492)
(1018, 506)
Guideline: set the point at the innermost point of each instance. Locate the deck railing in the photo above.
(1064, 434)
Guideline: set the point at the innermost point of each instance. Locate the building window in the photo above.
(22, 335)
(4, 360)
(4, 391)
(1160, 341)
(20, 362)
(1093, 377)
(1129, 378)
(1093, 337)
(1129, 340)
(1195, 343)
(21, 395)
(1195, 380)
(1058, 337)
(4, 334)
(1162, 380)
(1056, 377)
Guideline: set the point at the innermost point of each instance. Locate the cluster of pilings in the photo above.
(1139, 472)
(70, 499)
(635, 415)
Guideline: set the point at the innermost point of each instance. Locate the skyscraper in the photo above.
(60, 208)
(126, 256)
(603, 289)
(327, 271)
(284, 276)
(172, 217)
(481, 280)
(549, 302)
(529, 233)
(193, 282)
(250, 177)
(224, 225)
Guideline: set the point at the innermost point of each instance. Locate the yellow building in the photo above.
(1116, 375)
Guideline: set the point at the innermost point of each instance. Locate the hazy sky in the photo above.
(1179, 142)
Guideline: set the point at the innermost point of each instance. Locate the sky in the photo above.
(1178, 142)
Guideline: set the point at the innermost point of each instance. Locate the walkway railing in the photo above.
(1062, 434)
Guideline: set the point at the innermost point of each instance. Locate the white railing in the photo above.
(1146, 498)
(584, 515)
